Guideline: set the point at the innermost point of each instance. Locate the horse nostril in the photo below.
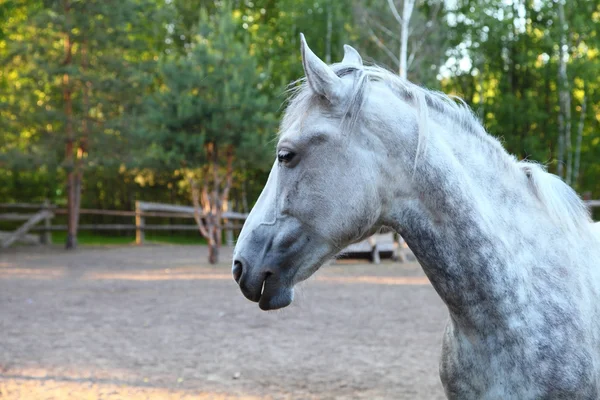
(237, 270)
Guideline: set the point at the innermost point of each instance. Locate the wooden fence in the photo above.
(592, 203)
(46, 212)
(145, 209)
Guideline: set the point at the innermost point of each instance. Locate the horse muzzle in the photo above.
(269, 259)
(262, 285)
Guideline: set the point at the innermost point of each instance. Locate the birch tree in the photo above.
(404, 24)
(564, 100)
(404, 31)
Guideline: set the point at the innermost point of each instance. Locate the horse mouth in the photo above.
(268, 291)
(274, 295)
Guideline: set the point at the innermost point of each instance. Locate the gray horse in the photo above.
(509, 248)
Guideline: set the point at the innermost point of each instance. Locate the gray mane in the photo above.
(561, 202)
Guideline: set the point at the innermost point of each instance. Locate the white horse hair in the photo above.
(596, 229)
(510, 248)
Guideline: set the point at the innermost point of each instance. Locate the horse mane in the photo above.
(561, 202)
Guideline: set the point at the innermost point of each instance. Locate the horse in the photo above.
(509, 247)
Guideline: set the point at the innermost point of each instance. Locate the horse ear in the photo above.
(320, 77)
(352, 57)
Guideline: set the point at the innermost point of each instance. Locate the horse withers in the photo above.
(509, 248)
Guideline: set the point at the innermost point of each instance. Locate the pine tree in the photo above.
(75, 71)
(209, 116)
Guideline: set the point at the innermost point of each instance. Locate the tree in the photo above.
(404, 23)
(128, 57)
(521, 52)
(64, 61)
(414, 28)
(209, 116)
(564, 100)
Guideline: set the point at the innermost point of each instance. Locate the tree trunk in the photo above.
(208, 210)
(216, 206)
(213, 248)
(401, 25)
(579, 136)
(244, 198)
(329, 10)
(83, 141)
(224, 195)
(564, 96)
(406, 14)
(71, 241)
(548, 108)
(481, 91)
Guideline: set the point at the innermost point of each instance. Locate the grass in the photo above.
(87, 238)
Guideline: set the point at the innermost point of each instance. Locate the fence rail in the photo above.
(125, 227)
(31, 206)
(23, 229)
(592, 203)
(145, 206)
(46, 211)
(143, 210)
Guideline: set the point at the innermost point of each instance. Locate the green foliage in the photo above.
(512, 81)
(209, 94)
(111, 50)
(164, 78)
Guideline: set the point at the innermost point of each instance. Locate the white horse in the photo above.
(509, 248)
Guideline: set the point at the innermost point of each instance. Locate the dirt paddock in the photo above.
(157, 323)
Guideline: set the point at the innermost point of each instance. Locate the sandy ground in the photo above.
(157, 323)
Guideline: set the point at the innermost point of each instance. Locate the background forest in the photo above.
(106, 102)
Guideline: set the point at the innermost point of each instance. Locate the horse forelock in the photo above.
(560, 201)
(301, 98)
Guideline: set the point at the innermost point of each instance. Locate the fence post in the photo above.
(23, 229)
(228, 229)
(229, 233)
(139, 224)
(46, 237)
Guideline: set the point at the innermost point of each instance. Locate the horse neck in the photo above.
(458, 220)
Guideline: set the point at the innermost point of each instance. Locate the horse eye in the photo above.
(285, 156)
